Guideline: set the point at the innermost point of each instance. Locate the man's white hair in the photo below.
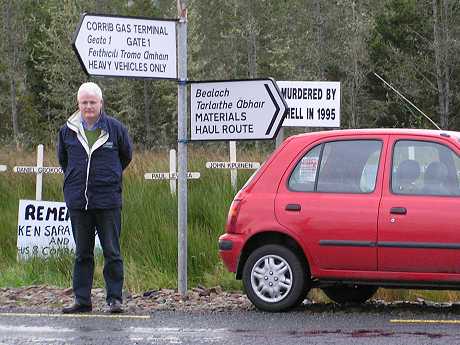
(91, 88)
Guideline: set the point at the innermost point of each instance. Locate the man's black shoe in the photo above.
(77, 308)
(115, 307)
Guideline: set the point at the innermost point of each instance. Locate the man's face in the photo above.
(90, 106)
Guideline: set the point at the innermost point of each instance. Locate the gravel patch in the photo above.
(48, 299)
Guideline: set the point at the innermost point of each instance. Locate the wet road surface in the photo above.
(318, 325)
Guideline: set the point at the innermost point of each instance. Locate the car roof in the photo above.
(379, 131)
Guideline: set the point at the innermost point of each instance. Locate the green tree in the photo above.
(13, 54)
(413, 50)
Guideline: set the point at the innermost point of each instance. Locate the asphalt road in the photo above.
(304, 326)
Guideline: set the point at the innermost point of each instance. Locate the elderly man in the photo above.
(93, 151)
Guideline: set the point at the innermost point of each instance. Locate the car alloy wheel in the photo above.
(275, 278)
(271, 278)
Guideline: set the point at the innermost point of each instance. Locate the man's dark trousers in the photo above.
(107, 223)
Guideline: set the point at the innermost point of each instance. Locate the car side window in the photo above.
(344, 163)
(424, 168)
(347, 166)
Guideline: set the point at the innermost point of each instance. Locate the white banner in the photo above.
(44, 229)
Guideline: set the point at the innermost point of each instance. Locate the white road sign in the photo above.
(235, 110)
(311, 103)
(126, 46)
(3, 168)
(232, 165)
(169, 176)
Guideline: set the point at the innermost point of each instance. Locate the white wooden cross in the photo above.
(39, 170)
(233, 165)
(172, 174)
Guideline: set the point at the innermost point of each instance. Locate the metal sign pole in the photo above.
(182, 148)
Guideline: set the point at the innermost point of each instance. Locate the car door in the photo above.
(419, 214)
(330, 196)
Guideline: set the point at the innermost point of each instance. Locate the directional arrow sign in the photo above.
(236, 109)
(126, 46)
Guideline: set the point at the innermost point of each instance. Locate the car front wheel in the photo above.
(275, 279)
(350, 294)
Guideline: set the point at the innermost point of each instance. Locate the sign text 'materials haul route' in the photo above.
(235, 110)
(126, 47)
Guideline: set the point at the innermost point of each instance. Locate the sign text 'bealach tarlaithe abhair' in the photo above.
(235, 110)
(126, 46)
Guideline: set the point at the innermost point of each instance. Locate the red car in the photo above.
(348, 211)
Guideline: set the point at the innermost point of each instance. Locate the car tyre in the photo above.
(275, 279)
(355, 294)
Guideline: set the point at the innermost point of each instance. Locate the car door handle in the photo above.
(293, 207)
(398, 210)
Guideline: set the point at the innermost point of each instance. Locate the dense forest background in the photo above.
(413, 44)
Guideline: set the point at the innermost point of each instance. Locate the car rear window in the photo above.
(347, 166)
